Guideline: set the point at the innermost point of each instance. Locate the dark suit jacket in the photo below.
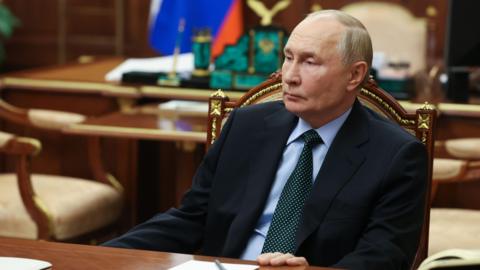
(365, 210)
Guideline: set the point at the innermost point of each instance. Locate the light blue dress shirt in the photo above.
(288, 162)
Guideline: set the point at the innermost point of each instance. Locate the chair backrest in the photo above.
(420, 123)
(55, 121)
(394, 31)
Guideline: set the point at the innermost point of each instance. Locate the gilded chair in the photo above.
(421, 124)
(53, 207)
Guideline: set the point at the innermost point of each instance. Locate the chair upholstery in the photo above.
(446, 169)
(53, 207)
(467, 148)
(420, 124)
(455, 227)
(394, 31)
(72, 212)
(460, 157)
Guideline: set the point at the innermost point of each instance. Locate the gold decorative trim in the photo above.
(115, 183)
(214, 130)
(423, 121)
(67, 85)
(215, 107)
(201, 72)
(266, 14)
(128, 132)
(218, 94)
(385, 105)
(43, 208)
(202, 38)
(228, 110)
(428, 106)
(260, 93)
(423, 139)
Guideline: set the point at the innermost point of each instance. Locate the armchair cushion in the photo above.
(77, 206)
(453, 228)
(468, 148)
(4, 138)
(53, 119)
(445, 169)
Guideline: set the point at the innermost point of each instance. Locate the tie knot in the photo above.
(311, 138)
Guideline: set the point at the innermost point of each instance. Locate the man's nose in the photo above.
(290, 73)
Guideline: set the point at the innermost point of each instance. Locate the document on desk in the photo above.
(184, 106)
(203, 265)
(14, 263)
(154, 64)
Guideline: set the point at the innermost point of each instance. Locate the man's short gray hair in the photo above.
(355, 44)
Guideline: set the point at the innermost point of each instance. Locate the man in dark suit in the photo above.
(364, 206)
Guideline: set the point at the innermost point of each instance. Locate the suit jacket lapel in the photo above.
(270, 141)
(342, 160)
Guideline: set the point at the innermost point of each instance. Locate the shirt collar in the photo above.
(327, 132)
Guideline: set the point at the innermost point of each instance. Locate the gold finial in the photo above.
(431, 11)
(316, 7)
(267, 15)
(219, 93)
(427, 106)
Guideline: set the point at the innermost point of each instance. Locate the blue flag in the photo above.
(197, 14)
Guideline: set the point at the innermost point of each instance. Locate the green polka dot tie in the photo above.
(282, 231)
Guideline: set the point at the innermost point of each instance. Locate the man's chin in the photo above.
(293, 107)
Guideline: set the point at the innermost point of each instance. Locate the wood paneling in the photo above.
(53, 32)
(34, 42)
(136, 29)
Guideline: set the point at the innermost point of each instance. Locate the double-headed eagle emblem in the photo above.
(267, 14)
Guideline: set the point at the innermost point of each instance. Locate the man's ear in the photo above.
(357, 73)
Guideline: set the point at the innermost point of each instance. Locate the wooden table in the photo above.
(81, 257)
(89, 78)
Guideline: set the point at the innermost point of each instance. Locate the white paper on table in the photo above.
(154, 64)
(184, 106)
(14, 263)
(196, 265)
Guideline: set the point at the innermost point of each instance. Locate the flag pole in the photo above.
(172, 78)
(176, 51)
